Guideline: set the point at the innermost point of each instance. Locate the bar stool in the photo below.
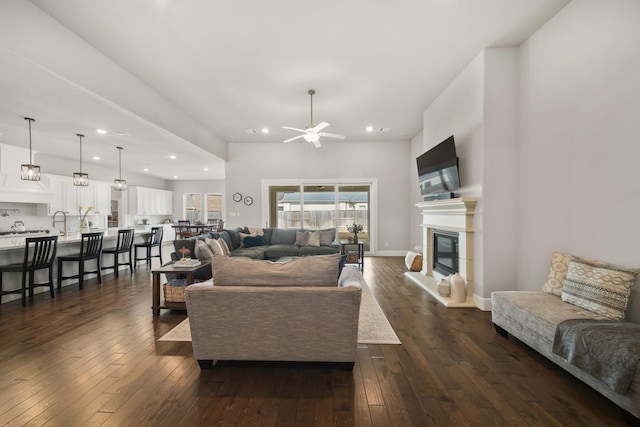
(90, 248)
(39, 253)
(123, 246)
(154, 241)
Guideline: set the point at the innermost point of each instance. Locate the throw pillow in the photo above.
(302, 238)
(202, 252)
(558, 272)
(326, 237)
(215, 246)
(243, 236)
(234, 236)
(314, 238)
(251, 241)
(256, 231)
(604, 290)
(320, 270)
(225, 248)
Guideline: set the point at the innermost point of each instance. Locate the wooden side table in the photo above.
(172, 268)
(359, 252)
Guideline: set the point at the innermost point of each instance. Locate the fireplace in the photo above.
(447, 244)
(445, 252)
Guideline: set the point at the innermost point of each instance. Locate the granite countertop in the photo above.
(18, 241)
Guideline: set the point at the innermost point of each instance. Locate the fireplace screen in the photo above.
(445, 252)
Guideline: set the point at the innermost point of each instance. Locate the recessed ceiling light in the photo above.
(175, 176)
(369, 128)
(102, 131)
(172, 157)
(205, 169)
(265, 130)
(146, 169)
(96, 157)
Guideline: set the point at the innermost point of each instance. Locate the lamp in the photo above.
(80, 179)
(29, 171)
(120, 184)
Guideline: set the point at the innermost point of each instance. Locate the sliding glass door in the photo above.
(317, 206)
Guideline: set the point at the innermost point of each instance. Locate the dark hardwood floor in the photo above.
(91, 357)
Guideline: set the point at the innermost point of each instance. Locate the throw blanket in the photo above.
(606, 350)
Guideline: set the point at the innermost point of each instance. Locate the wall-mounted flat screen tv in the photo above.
(438, 170)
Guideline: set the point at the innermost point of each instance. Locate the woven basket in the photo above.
(174, 291)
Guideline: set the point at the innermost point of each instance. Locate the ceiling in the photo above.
(187, 77)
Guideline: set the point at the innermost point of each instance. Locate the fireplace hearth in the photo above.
(447, 242)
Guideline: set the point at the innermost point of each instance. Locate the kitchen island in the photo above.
(12, 251)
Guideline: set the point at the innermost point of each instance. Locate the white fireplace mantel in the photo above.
(449, 215)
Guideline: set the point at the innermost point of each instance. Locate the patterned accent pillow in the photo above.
(203, 252)
(225, 247)
(557, 273)
(215, 246)
(314, 238)
(302, 238)
(601, 289)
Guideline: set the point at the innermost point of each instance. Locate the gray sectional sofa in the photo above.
(278, 243)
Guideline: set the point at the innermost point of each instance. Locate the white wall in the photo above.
(415, 231)
(579, 180)
(459, 111)
(249, 164)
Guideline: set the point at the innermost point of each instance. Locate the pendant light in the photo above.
(120, 184)
(29, 171)
(80, 179)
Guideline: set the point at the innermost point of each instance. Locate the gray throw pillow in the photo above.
(302, 238)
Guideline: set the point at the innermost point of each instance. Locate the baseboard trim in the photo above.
(483, 304)
(390, 253)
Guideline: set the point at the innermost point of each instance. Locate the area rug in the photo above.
(373, 326)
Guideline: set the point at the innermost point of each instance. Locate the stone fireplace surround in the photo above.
(449, 215)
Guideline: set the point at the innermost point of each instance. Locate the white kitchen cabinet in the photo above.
(150, 201)
(102, 198)
(68, 198)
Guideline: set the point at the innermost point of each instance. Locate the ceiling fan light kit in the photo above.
(313, 133)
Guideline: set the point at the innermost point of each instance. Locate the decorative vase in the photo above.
(443, 287)
(83, 225)
(355, 238)
(458, 289)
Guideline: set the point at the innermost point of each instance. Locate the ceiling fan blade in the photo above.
(293, 139)
(317, 144)
(299, 130)
(319, 127)
(332, 135)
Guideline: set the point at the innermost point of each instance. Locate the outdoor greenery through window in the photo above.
(321, 206)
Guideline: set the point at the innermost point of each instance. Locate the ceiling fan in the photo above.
(312, 133)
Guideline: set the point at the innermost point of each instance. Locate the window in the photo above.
(322, 205)
(214, 206)
(193, 207)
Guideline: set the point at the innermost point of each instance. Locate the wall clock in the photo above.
(248, 200)
(237, 197)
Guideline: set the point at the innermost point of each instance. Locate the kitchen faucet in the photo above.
(64, 215)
